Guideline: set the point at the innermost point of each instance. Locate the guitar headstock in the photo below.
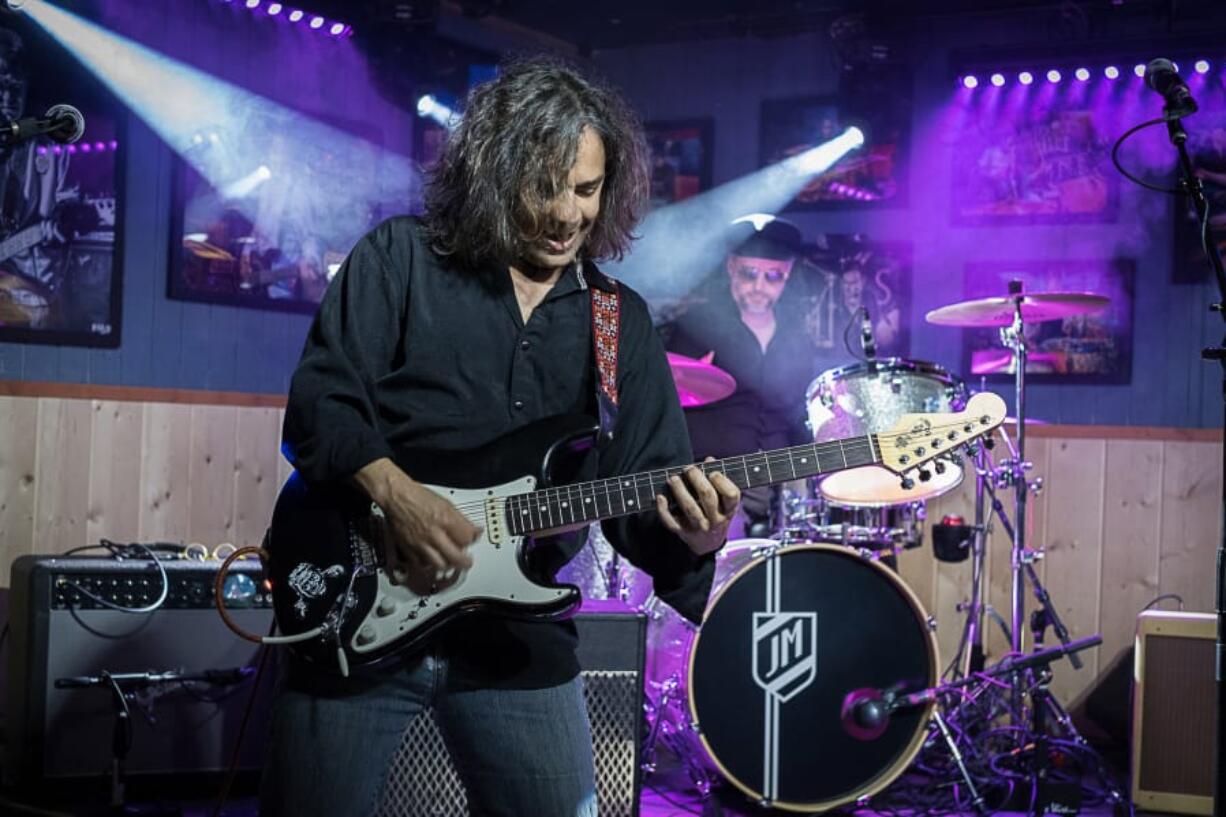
(917, 439)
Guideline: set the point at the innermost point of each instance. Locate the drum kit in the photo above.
(856, 695)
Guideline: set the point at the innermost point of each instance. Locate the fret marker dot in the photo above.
(756, 469)
(627, 483)
(564, 504)
(630, 502)
(588, 500)
(524, 512)
(542, 509)
(803, 460)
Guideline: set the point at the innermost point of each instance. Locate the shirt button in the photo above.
(519, 404)
(523, 344)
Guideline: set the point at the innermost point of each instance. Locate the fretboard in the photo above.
(581, 502)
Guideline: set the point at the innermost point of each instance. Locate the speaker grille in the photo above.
(423, 783)
(1177, 716)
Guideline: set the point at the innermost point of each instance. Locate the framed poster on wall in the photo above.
(61, 205)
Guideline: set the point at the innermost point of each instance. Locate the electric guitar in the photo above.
(336, 603)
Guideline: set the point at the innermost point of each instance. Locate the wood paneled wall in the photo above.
(1124, 515)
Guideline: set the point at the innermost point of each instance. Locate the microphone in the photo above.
(865, 713)
(1161, 75)
(868, 342)
(61, 123)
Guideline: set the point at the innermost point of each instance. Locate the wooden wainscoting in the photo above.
(73, 471)
(1125, 514)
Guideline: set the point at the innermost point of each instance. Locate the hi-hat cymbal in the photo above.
(699, 382)
(1036, 308)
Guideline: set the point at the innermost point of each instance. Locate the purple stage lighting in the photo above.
(337, 29)
(1139, 69)
(970, 81)
(1053, 75)
(1202, 66)
(114, 145)
(274, 9)
(100, 146)
(42, 151)
(1111, 72)
(86, 148)
(1025, 77)
(998, 80)
(1082, 74)
(296, 15)
(317, 22)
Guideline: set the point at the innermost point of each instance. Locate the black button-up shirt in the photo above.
(408, 351)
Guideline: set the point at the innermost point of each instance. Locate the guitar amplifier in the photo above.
(612, 636)
(58, 631)
(1174, 712)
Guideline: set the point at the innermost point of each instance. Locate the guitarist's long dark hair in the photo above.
(510, 155)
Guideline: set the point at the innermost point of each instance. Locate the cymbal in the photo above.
(1030, 421)
(699, 382)
(1036, 308)
(205, 250)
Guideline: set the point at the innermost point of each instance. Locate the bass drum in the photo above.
(785, 640)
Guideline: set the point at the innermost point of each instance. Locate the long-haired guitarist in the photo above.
(444, 334)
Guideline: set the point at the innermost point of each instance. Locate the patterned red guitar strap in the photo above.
(606, 322)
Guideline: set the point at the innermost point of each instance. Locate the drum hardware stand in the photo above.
(671, 699)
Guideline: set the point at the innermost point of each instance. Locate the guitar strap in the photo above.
(606, 323)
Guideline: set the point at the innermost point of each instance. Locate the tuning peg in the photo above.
(939, 466)
(907, 483)
(925, 475)
(989, 443)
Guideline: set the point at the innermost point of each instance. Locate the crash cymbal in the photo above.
(698, 381)
(1036, 308)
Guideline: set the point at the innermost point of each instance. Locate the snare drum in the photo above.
(869, 398)
(807, 516)
(790, 633)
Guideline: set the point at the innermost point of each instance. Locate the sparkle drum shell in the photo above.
(869, 398)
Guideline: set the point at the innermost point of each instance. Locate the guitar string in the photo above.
(648, 479)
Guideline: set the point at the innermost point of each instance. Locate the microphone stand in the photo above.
(1191, 185)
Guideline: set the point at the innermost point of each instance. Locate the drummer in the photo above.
(750, 323)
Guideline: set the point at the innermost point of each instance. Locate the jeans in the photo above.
(517, 751)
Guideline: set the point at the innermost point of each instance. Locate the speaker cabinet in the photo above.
(423, 783)
(59, 631)
(1174, 713)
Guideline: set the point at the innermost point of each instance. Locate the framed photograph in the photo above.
(1038, 164)
(276, 227)
(869, 177)
(1094, 348)
(681, 156)
(844, 272)
(60, 205)
(1207, 145)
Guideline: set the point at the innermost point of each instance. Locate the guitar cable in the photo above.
(219, 601)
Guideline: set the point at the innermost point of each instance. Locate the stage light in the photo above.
(1111, 72)
(970, 81)
(1082, 74)
(1025, 77)
(274, 9)
(998, 80)
(85, 148)
(429, 107)
(1053, 75)
(317, 22)
(1202, 66)
(296, 15)
(253, 4)
(337, 29)
(1139, 69)
(99, 146)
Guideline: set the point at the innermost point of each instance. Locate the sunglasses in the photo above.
(773, 276)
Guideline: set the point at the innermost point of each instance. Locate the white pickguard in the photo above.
(495, 574)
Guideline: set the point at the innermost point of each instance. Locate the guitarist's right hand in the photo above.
(426, 530)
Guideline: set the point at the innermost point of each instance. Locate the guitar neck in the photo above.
(20, 242)
(581, 502)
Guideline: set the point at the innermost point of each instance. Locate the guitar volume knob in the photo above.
(386, 608)
(366, 635)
